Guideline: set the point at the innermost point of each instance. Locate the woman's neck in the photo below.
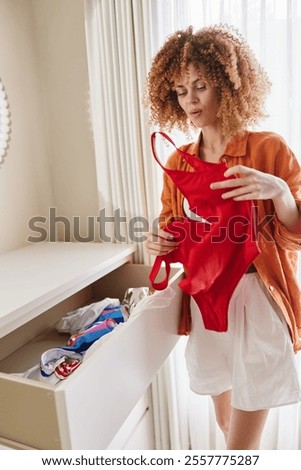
(212, 146)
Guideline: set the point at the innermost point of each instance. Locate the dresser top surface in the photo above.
(39, 275)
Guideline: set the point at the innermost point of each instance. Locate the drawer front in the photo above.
(28, 414)
(86, 410)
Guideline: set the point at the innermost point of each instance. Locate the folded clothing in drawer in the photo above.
(82, 318)
(86, 325)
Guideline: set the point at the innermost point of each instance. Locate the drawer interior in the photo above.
(147, 340)
(22, 349)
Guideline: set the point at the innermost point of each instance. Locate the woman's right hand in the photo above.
(160, 243)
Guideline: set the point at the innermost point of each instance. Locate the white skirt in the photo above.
(254, 358)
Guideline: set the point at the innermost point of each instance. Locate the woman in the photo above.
(210, 80)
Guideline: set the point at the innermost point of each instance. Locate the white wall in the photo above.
(25, 183)
(64, 75)
(50, 160)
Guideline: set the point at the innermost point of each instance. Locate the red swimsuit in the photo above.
(215, 255)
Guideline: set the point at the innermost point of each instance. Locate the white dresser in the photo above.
(40, 284)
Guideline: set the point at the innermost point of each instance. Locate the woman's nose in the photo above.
(193, 97)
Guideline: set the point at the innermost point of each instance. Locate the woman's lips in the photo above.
(196, 113)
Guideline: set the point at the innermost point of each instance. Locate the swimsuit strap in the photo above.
(191, 159)
(161, 285)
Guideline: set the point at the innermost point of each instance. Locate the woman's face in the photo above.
(197, 98)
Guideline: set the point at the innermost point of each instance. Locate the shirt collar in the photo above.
(237, 147)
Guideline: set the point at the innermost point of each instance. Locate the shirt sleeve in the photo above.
(171, 198)
(288, 168)
(285, 238)
(166, 200)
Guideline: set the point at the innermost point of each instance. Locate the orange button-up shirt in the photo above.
(277, 262)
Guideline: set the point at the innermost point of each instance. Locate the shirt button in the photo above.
(271, 288)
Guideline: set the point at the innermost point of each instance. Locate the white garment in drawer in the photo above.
(86, 410)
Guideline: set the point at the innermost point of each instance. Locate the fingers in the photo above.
(163, 234)
(234, 171)
(233, 183)
(239, 169)
(244, 186)
(160, 243)
(241, 194)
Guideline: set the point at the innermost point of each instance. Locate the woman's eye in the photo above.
(181, 92)
(201, 88)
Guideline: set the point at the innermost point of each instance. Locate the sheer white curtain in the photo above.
(117, 36)
(272, 28)
(122, 36)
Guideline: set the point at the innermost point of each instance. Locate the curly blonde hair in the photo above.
(230, 66)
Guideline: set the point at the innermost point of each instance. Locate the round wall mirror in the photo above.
(4, 123)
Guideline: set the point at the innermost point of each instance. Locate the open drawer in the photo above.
(86, 410)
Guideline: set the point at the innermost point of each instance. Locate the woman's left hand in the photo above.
(254, 184)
